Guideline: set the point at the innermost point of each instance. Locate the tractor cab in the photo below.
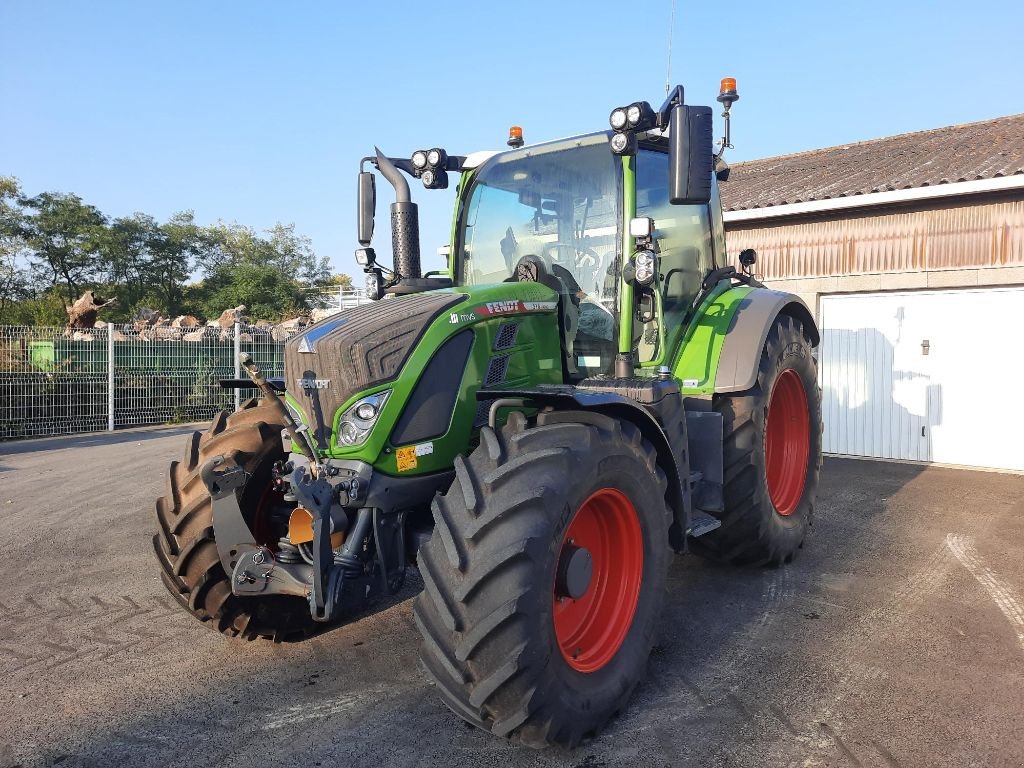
(553, 214)
(576, 215)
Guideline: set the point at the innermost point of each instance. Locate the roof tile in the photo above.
(986, 150)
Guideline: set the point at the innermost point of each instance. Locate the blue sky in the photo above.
(260, 112)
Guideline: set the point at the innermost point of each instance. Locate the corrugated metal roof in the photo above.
(984, 150)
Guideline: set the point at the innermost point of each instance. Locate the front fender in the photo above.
(567, 397)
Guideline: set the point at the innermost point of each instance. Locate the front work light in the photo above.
(640, 116)
(374, 283)
(365, 257)
(617, 119)
(419, 160)
(437, 158)
(434, 178)
(643, 263)
(624, 143)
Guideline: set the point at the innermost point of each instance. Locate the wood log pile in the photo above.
(150, 325)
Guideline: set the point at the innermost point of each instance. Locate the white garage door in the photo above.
(925, 375)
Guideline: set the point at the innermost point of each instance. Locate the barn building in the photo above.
(910, 251)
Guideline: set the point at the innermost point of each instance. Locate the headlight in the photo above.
(419, 159)
(617, 120)
(356, 422)
(644, 262)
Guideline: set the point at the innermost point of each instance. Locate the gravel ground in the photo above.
(895, 639)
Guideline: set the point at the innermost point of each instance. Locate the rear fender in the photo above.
(741, 349)
(722, 346)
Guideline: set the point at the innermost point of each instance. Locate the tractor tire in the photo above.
(185, 545)
(772, 455)
(510, 649)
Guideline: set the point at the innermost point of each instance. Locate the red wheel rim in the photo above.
(261, 523)
(787, 442)
(590, 630)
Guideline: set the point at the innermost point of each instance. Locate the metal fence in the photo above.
(336, 299)
(54, 382)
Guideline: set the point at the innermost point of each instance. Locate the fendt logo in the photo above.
(496, 307)
(313, 383)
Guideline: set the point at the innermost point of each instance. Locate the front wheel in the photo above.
(545, 576)
(772, 455)
(185, 544)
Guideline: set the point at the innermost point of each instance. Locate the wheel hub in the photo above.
(575, 570)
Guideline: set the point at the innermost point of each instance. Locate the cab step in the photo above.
(701, 523)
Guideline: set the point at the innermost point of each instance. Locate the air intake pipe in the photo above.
(405, 222)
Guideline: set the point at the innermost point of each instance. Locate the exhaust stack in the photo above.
(405, 222)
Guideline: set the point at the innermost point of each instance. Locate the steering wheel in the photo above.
(583, 256)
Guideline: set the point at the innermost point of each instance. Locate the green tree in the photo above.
(266, 292)
(126, 256)
(64, 236)
(15, 278)
(174, 251)
(274, 276)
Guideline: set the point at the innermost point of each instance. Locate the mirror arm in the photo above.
(665, 110)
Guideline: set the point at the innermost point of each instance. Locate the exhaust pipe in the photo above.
(405, 222)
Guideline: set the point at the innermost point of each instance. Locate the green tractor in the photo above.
(588, 387)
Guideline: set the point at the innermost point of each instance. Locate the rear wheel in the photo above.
(545, 576)
(185, 545)
(772, 455)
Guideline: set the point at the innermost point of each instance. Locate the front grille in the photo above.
(483, 410)
(506, 336)
(496, 370)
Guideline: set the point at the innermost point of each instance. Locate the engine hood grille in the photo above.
(359, 348)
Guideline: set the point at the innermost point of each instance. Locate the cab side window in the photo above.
(682, 233)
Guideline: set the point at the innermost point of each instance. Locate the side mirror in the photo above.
(367, 205)
(690, 156)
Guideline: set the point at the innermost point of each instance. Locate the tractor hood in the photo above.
(357, 349)
(430, 353)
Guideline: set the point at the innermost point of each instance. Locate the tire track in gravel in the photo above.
(37, 638)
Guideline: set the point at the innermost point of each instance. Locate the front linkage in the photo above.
(308, 561)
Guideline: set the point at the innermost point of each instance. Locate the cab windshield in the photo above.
(550, 213)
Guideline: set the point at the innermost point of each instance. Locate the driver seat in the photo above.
(536, 269)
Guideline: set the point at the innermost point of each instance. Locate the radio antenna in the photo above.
(671, 26)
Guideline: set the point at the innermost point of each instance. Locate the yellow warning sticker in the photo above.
(406, 458)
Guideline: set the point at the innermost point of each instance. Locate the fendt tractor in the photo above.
(589, 386)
